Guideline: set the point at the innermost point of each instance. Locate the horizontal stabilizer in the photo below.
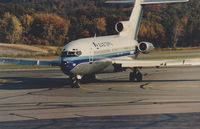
(146, 1)
(120, 2)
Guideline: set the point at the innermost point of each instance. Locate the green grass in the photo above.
(26, 66)
(176, 50)
(169, 57)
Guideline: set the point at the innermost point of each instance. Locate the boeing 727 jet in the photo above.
(83, 58)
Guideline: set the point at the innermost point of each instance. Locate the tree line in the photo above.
(57, 22)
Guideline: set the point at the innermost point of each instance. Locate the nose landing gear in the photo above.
(136, 75)
(74, 82)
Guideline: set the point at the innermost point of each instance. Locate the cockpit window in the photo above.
(74, 53)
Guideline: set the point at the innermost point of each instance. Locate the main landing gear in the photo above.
(75, 81)
(136, 75)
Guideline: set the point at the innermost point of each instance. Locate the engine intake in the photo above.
(145, 47)
(121, 26)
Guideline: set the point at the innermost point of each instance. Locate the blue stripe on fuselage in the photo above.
(74, 61)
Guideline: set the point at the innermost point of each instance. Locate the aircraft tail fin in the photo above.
(130, 28)
(162, 1)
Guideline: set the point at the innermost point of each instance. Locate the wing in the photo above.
(129, 63)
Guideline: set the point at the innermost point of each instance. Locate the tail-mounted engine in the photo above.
(122, 26)
(145, 47)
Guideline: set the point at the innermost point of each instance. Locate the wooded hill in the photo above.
(56, 22)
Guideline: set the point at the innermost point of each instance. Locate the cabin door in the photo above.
(91, 56)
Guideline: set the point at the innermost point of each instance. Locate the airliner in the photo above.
(83, 58)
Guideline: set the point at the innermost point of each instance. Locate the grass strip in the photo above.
(169, 57)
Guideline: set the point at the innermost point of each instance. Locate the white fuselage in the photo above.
(97, 54)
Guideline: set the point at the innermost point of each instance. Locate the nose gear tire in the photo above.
(74, 82)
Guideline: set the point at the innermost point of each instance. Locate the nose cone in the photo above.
(64, 67)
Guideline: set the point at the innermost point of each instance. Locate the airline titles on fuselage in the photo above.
(102, 44)
(108, 47)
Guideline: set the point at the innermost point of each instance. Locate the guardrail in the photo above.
(4, 60)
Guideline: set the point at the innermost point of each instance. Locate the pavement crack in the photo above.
(13, 114)
(137, 101)
(142, 86)
(36, 92)
(80, 115)
(38, 104)
(24, 94)
(109, 89)
(8, 97)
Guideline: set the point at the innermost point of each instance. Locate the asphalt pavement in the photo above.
(168, 98)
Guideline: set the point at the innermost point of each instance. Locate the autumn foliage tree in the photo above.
(56, 22)
(100, 25)
(51, 29)
(27, 22)
(151, 30)
(10, 28)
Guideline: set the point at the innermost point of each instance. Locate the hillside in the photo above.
(29, 51)
(56, 22)
(52, 52)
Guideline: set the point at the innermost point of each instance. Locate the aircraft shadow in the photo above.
(122, 81)
(19, 83)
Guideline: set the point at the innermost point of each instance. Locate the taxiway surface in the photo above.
(42, 99)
